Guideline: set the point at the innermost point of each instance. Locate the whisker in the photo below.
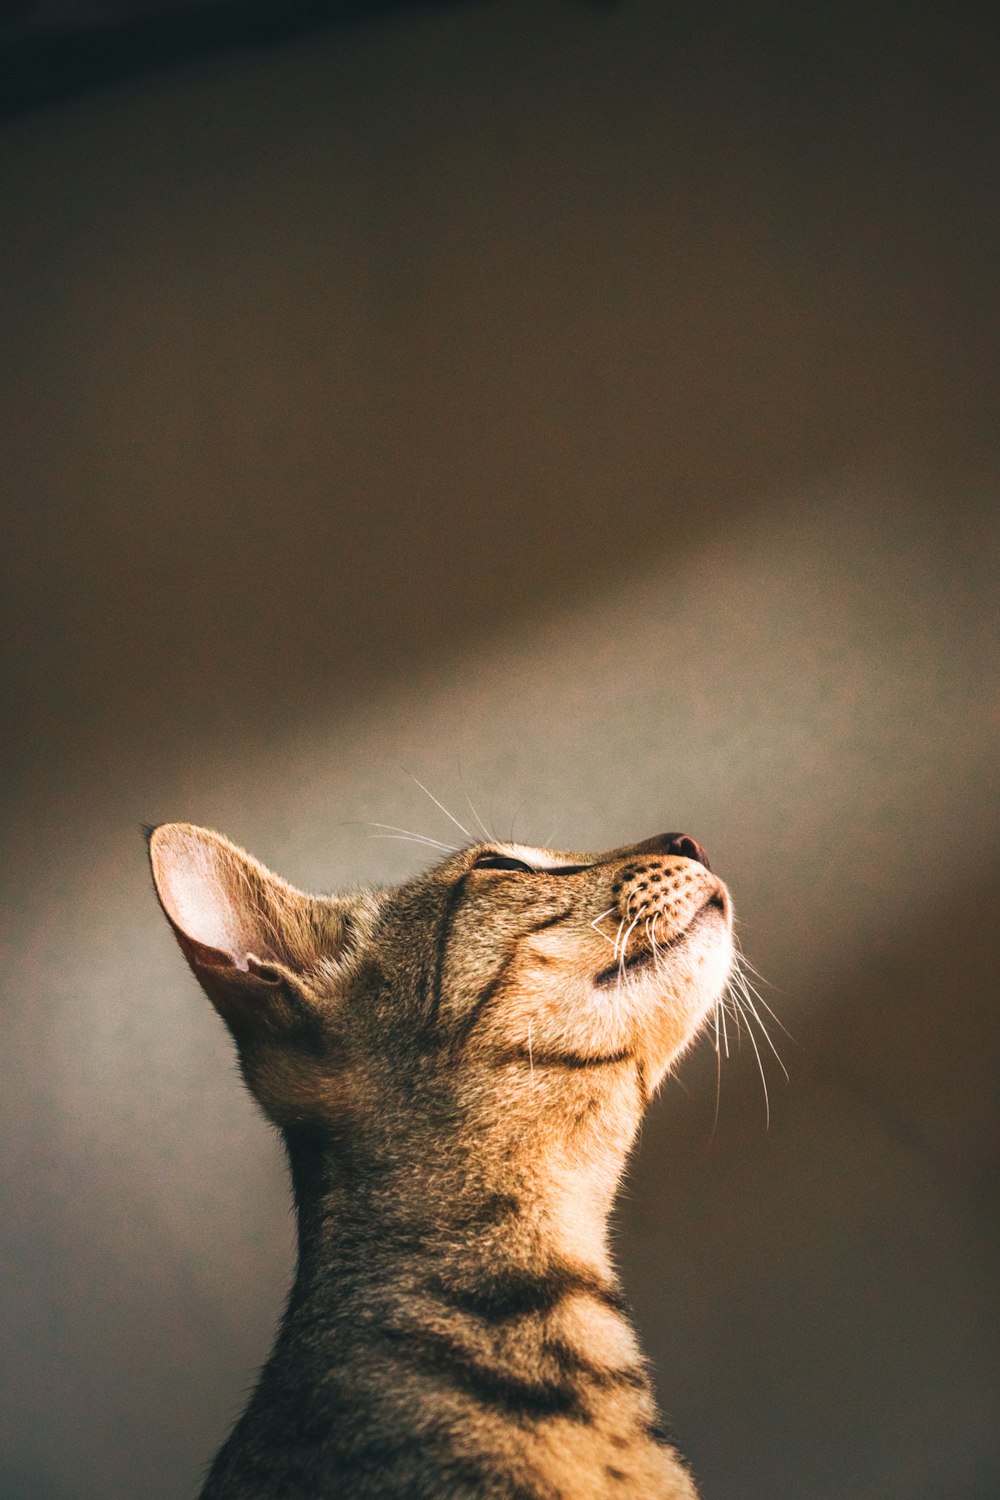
(409, 838)
(598, 930)
(479, 822)
(746, 964)
(623, 949)
(718, 1074)
(423, 837)
(750, 989)
(767, 1035)
(404, 838)
(482, 826)
(763, 1080)
(620, 941)
(734, 1011)
(451, 816)
(742, 966)
(725, 1031)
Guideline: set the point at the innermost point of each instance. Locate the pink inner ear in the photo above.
(191, 878)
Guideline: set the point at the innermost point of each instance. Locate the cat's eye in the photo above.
(501, 862)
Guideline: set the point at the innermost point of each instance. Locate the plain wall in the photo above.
(593, 412)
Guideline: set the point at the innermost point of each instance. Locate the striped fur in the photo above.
(458, 1066)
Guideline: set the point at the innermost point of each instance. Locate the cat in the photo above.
(458, 1066)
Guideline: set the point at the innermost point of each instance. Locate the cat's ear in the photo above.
(250, 937)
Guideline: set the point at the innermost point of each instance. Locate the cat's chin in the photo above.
(676, 999)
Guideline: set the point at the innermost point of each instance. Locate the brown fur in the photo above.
(459, 1066)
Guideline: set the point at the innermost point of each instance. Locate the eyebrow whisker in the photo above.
(408, 833)
(430, 794)
(465, 792)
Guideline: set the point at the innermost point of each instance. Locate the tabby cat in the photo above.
(458, 1066)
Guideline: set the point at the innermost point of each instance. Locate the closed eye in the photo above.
(507, 862)
(501, 862)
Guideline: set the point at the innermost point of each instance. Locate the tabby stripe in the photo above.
(471, 1018)
(560, 916)
(574, 1363)
(407, 1460)
(434, 1353)
(454, 901)
(613, 972)
(505, 1295)
(571, 1059)
(482, 1003)
(492, 1209)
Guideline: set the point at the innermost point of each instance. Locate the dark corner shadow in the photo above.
(41, 64)
(98, 46)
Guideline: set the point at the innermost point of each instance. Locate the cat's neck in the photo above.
(364, 1233)
(441, 1326)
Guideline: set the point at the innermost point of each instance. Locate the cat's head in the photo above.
(509, 994)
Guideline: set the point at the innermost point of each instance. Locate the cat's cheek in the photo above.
(564, 1013)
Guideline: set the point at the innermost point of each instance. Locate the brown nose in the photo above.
(675, 843)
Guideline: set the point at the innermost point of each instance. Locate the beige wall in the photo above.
(591, 411)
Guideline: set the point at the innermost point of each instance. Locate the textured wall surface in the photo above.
(593, 412)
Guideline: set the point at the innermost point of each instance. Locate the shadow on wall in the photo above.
(378, 358)
(51, 50)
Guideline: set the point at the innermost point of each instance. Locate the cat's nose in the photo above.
(675, 843)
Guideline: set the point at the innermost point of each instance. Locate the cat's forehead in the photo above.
(499, 871)
(549, 859)
(498, 855)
